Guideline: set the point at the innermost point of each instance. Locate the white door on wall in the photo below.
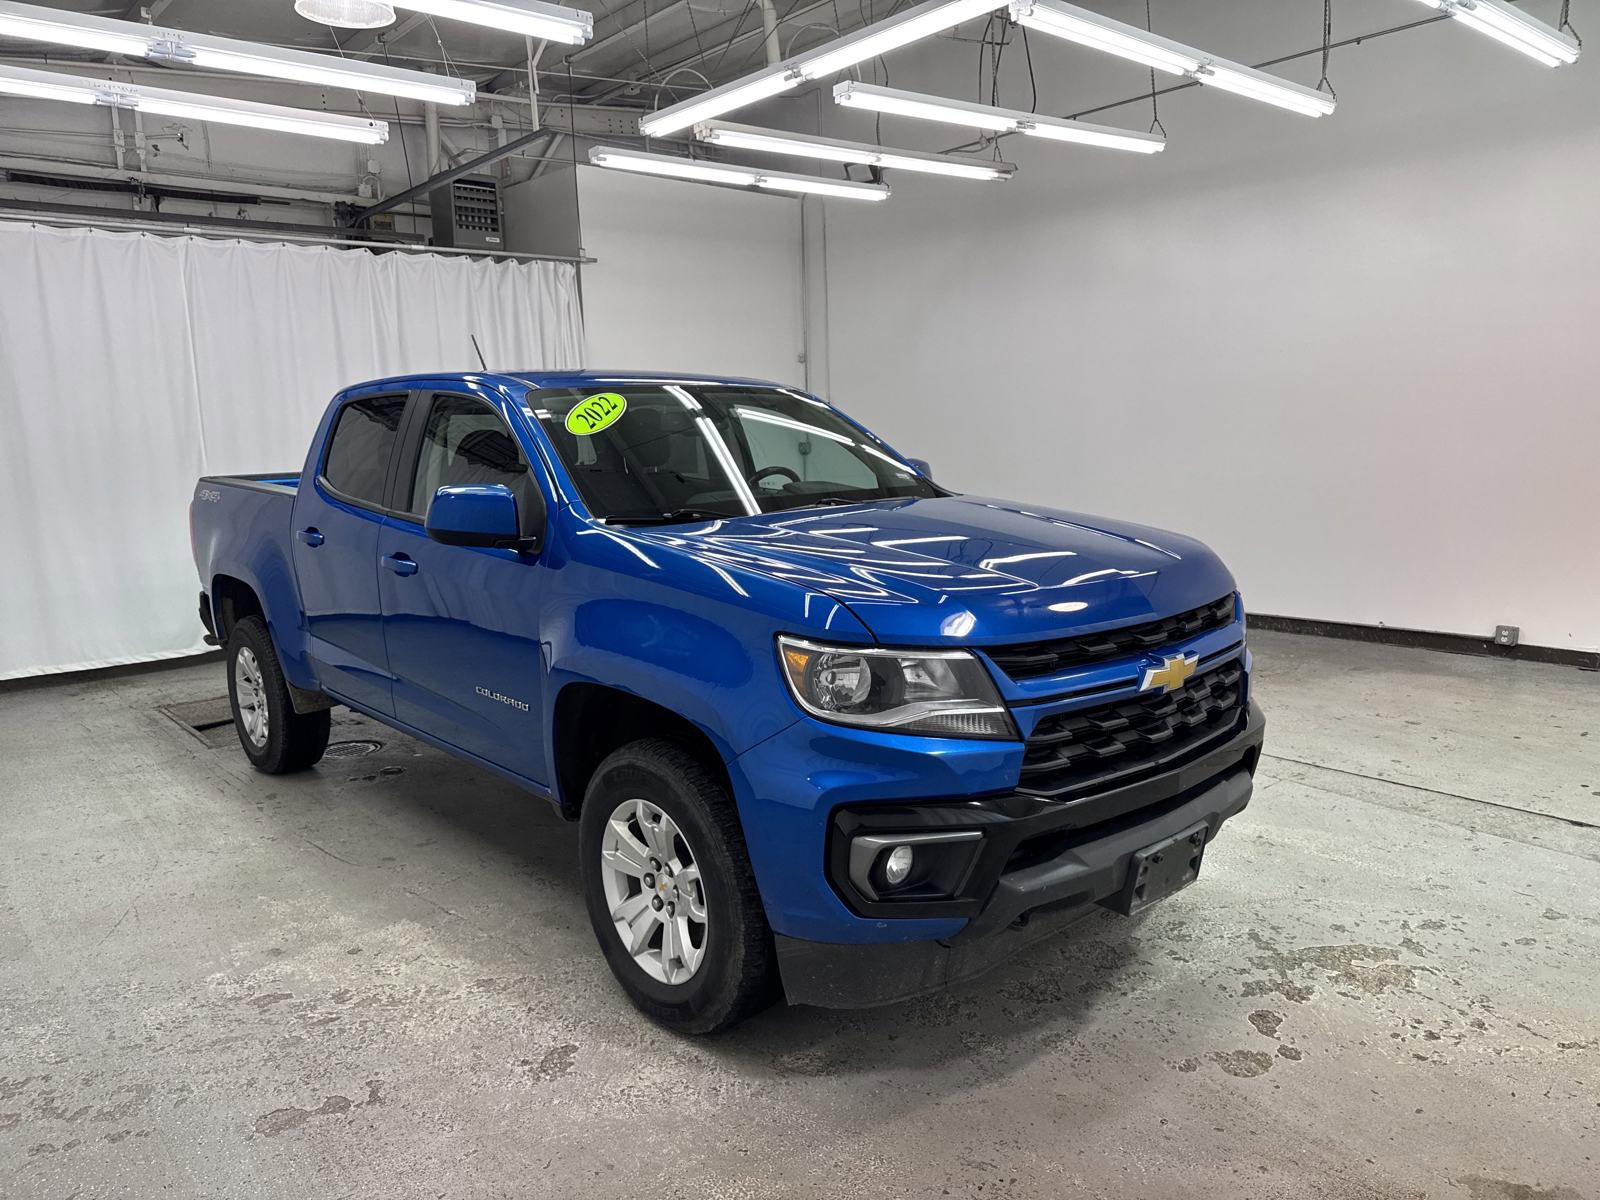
(690, 278)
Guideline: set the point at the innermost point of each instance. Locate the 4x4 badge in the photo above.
(1172, 674)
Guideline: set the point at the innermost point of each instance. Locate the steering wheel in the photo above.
(767, 471)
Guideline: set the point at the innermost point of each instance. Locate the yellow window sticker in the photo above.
(595, 413)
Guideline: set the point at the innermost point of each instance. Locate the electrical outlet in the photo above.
(1506, 635)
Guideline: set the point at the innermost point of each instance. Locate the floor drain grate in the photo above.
(352, 749)
(211, 721)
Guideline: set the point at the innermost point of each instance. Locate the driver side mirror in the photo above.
(477, 514)
(923, 469)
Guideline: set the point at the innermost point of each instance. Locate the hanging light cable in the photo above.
(1327, 47)
(1155, 108)
(1074, 24)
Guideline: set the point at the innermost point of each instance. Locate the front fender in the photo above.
(693, 636)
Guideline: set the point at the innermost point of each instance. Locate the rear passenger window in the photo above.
(358, 452)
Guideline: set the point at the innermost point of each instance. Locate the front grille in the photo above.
(1118, 743)
(1031, 660)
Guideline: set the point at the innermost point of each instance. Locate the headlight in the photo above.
(938, 693)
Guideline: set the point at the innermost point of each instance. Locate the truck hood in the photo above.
(967, 570)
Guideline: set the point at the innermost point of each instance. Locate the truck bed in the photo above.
(240, 526)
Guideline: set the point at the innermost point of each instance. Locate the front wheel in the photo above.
(670, 891)
(276, 739)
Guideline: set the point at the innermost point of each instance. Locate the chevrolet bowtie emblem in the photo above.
(1172, 674)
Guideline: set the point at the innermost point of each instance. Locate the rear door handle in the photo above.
(311, 537)
(400, 564)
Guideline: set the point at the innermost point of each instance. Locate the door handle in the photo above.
(400, 564)
(311, 537)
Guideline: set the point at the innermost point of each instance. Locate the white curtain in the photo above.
(131, 364)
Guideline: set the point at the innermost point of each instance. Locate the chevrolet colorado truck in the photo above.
(827, 728)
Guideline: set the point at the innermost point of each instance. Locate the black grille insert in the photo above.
(1031, 660)
(1114, 744)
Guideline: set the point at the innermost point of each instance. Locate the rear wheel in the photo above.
(670, 891)
(275, 738)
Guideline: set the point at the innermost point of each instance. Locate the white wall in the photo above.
(1356, 355)
(690, 278)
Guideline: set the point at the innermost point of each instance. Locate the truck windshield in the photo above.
(664, 453)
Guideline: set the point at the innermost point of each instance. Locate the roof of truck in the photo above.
(573, 379)
(585, 378)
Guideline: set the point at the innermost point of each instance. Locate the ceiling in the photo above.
(645, 53)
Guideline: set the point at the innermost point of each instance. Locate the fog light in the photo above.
(898, 865)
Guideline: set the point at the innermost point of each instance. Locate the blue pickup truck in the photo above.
(828, 729)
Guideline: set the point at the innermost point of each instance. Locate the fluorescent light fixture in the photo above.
(1074, 24)
(669, 165)
(1090, 29)
(222, 110)
(321, 70)
(811, 185)
(1257, 85)
(31, 23)
(739, 94)
(997, 120)
(805, 145)
(920, 21)
(1543, 43)
(706, 172)
(531, 18)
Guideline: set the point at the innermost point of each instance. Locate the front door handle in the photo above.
(400, 564)
(311, 537)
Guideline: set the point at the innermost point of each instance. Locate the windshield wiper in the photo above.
(829, 502)
(678, 516)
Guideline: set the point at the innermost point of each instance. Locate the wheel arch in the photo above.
(591, 720)
(232, 600)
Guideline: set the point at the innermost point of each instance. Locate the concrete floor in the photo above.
(377, 980)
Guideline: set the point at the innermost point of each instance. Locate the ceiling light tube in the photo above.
(997, 120)
(739, 94)
(701, 171)
(222, 110)
(1269, 89)
(811, 185)
(805, 145)
(1090, 29)
(920, 21)
(1545, 44)
(670, 165)
(531, 18)
(29, 22)
(1086, 28)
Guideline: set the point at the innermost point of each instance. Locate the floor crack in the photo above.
(1417, 787)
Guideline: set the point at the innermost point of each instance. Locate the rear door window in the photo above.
(363, 440)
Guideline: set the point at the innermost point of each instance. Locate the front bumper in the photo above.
(1043, 865)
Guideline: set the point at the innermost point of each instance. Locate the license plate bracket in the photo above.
(1159, 870)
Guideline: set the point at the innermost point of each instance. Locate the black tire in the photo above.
(294, 741)
(737, 975)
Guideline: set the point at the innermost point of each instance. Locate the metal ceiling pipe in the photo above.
(430, 136)
(637, 77)
(769, 27)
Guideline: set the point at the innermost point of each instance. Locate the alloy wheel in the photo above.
(251, 694)
(654, 891)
